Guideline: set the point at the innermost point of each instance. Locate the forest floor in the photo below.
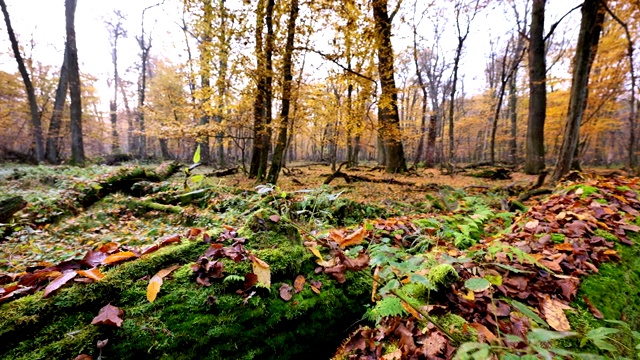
(450, 267)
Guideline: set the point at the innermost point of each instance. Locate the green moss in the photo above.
(442, 275)
(456, 326)
(189, 321)
(605, 234)
(586, 189)
(558, 238)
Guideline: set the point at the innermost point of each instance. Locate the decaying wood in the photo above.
(493, 174)
(10, 206)
(223, 172)
(123, 180)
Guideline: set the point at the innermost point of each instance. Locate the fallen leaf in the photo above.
(108, 315)
(531, 225)
(119, 257)
(485, 334)
(102, 343)
(315, 289)
(194, 232)
(354, 238)
(108, 248)
(156, 282)
(170, 240)
(59, 282)
(316, 252)
(411, 310)
(83, 357)
(298, 284)
(261, 269)
(274, 218)
(553, 311)
(93, 274)
(594, 310)
(286, 292)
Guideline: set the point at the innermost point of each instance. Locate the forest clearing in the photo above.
(303, 179)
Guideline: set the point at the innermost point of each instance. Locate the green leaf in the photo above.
(468, 350)
(542, 335)
(415, 278)
(512, 269)
(196, 155)
(512, 338)
(477, 284)
(528, 313)
(604, 345)
(601, 333)
(494, 279)
(197, 178)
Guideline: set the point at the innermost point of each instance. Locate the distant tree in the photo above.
(593, 12)
(55, 124)
(33, 106)
(116, 31)
(77, 145)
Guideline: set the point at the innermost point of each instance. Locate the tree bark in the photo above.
(77, 145)
(262, 104)
(55, 124)
(590, 28)
(537, 91)
(388, 117)
(278, 153)
(31, 96)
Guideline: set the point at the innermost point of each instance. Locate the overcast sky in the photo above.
(43, 21)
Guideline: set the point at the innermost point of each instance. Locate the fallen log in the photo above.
(123, 180)
(223, 172)
(10, 206)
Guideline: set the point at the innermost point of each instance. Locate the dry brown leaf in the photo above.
(354, 238)
(298, 284)
(411, 310)
(315, 289)
(553, 311)
(261, 269)
(83, 357)
(119, 257)
(286, 292)
(531, 225)
(108, 315)
(93, 274)
(59, 282)
(485, 333)
(156, 282)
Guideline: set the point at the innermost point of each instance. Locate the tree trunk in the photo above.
(590, 29)
(537, 91)
(278, 153)
(388, 117)
(221, 82)
(513, 115)
(56, 117)
(77, 145)
(206, 58)
(31, 96)
(262, 104)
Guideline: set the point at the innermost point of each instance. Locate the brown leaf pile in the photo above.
(525, 265)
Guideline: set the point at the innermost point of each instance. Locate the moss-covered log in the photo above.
(123, 180)
(10, 206)
(190, 321)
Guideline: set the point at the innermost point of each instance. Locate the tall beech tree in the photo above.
(77, 144)
(33, 105)
(593, 12)
(388, 117)
(537, 91)
(263, 95)
(116, 32)
(287, 78)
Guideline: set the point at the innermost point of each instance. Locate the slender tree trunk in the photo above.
(590, 28)
(388, 117)
(535, 162)
(56, 117)
(278, 153)
(77, 145)
(132, 140)
(221, 82)
(513, 115)
(31, 96)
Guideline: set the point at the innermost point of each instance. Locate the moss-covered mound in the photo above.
(190, 321)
